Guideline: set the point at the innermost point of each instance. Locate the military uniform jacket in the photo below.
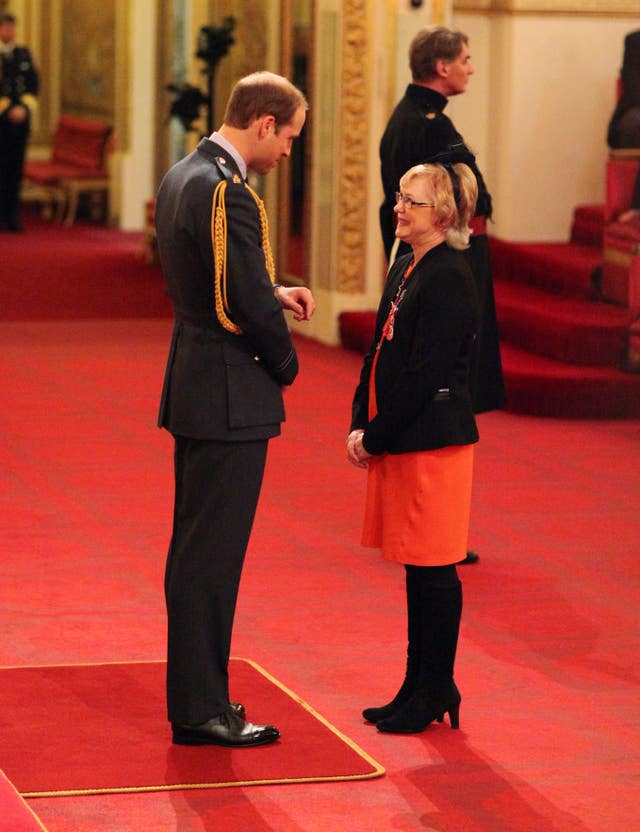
(417, 130)
(18, 80)
(422, 373)
(219, 385)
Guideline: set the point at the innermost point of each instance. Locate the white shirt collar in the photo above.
(231, 150)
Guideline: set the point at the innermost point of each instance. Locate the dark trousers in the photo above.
(13, 143)
(217, 485)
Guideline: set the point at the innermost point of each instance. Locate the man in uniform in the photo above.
(417, 131)
(624, 126)
(18, 91)
(230, 358)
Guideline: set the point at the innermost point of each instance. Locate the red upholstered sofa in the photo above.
(78, 164)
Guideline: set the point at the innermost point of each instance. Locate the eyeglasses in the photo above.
(411, 203)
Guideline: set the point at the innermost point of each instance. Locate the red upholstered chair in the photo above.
(621, 267)
(78, 164)
(622, 169)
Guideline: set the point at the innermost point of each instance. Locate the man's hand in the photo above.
(298, 299)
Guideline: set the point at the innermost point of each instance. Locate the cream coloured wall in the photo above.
(537, 111)
(135, 168)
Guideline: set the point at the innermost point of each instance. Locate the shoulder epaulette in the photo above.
(219, 242)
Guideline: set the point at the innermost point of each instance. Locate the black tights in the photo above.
(432, 577)
(434, 607)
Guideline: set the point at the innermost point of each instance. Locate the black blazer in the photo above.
(219, 385)
(422, 374)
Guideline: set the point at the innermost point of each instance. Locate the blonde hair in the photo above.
(451, 216)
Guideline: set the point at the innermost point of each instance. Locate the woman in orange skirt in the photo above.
(413, 429)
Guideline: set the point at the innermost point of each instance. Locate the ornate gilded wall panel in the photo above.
(604, 7)
(353, 148)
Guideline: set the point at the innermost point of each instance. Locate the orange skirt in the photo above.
(418, 505)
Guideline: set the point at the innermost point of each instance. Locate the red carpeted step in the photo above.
(356, 330)
(539, 386)
(563, 328)
(556, 267)
(588, 225)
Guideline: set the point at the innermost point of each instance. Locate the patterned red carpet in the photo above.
(86, 271)
(547, 663)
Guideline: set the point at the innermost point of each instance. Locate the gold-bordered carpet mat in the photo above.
(102, 728)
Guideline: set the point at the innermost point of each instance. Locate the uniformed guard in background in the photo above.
(18, 91)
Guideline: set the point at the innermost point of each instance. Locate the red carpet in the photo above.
(88, 729)
(87, 271)
(549, 738)
(549, 726)
(14, 811)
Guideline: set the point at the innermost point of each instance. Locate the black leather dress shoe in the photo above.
(472, 557)
(227, 729)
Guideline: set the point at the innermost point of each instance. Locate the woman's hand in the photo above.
(356, 453)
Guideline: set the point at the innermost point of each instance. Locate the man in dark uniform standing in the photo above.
(18, 91)
(230, 357)
(624, 126)
(419, 130)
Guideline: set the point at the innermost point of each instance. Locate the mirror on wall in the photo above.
(293, 213)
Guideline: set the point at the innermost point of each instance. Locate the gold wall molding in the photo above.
(122, 72)
(610, 8)
(40, 30)
(353, 147)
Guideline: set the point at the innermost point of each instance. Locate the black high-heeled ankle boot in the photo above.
(420, 711)
(384, 711)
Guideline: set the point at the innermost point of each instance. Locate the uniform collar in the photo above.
(216, 138)
(426, 97)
